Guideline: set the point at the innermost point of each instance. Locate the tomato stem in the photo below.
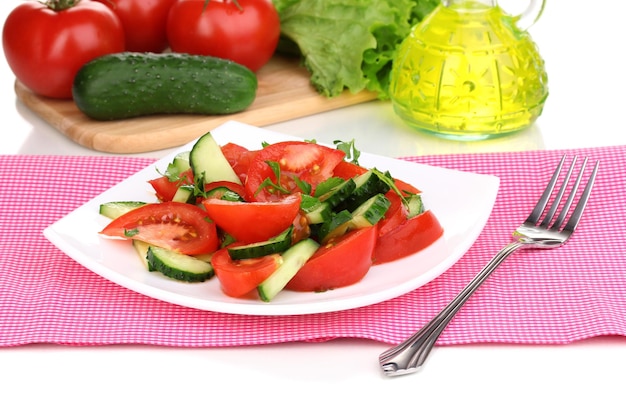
(60, 5)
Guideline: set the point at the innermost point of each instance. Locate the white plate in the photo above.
(461, 201)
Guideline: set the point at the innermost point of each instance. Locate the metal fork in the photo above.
(409, 355)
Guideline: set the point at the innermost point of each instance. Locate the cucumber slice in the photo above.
(141, 248)
(179, 164)
(206, 257)
(115, 209)
(339, 193)
(293, 259)
(277, 244)
(209, 163)
(370, 212)
(315, 211)
(184, 194)
(415, 205)
(224, 193)
(368, 184)
(336, 226)
(177, 265)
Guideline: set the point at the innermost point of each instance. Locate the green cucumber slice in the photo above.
(370, 212)
(177, 265)
(337, 225)
(141, 248)
(293, 259)
(415, 205)
(339, 193)
(224, 193)
(179, 164)
(184, 194)
(209, 163)
(315, 211)
(277, 244)
(115, 209)
(368, 184)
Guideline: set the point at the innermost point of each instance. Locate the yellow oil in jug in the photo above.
(466, 72)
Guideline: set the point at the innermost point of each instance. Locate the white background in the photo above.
(582, 44)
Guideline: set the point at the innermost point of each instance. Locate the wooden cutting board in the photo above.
(284, 93)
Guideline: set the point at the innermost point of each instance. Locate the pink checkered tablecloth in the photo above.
(564, 295)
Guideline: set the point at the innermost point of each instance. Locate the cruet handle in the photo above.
(529, 16)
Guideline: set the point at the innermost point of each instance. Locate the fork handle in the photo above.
(409, 355)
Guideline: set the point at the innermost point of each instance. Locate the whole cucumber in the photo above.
(130, 84)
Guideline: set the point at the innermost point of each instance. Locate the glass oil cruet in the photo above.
(470, 71)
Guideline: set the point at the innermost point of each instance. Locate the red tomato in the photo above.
(182, 227)
(309, 162)
(238, 278)
(166, 189)
(246, 31)
(255, 221)
(407, 238)
(143, 22)
(239, 158)
(405, 187)
(45, 47)
(347, 170)
(395, 215)
(339, 263)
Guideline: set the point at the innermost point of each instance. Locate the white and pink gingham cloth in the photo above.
(552, 297)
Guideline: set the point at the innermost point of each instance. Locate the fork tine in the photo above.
(582, 203)
(557, 200)
(543, 201)
(559, 221)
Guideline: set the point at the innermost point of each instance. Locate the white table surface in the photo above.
(582, 43)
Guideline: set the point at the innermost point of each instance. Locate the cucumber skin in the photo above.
(114, 209)
(155, 262)
(130, 84)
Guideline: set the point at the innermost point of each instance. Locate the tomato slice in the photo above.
(166, 189)
(341, 262)
(250, 222)
(182, 227)
(239, 159)
(405, 187)
(347, 170)
(310, 162)
(396, 214)
(408, 237)
(238, 278)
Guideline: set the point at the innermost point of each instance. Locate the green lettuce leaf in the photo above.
(349, 44)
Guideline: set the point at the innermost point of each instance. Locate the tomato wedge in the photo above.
(347, 170)
(407, 238)
(339, 263)
(396, 214)
(238, 278)
(239, 159)
(250, 222)
(182, 227)
(166, 189)
(309, 162)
